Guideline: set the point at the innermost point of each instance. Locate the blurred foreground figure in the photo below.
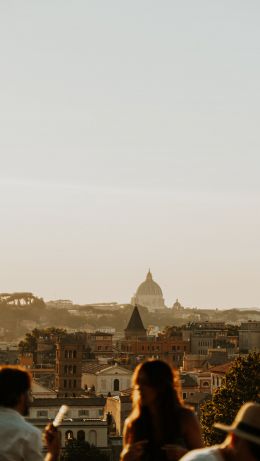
(242, 442)
(160, 427)
(20, 440)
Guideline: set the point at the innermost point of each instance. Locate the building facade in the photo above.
(106, 380)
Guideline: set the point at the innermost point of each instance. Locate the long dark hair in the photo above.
(164, 379)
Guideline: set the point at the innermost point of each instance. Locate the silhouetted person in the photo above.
(242, 442)
(159, 427)
(20, 440)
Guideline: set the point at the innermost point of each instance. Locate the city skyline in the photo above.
(129, 140)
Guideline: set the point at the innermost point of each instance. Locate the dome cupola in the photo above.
(149, 294)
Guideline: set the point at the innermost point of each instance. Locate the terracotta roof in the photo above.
(224, 368)
(94, 367)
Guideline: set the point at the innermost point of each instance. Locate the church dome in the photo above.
(149, 287)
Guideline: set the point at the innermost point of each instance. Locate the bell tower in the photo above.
(69, 354)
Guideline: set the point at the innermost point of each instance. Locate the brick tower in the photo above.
(69, 353)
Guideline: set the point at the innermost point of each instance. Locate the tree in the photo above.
(79, 450)
(30, 342)
(242, 384)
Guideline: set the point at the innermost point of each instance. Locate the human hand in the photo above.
(174, 452)
(53, 443)
(133, 451)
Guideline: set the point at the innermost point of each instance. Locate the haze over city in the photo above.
(129, 140)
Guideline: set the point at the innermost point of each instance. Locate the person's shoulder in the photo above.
(203, 454)
(30, 428)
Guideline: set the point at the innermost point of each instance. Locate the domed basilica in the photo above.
(149, 294)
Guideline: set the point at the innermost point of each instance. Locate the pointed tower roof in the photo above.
(135, 327)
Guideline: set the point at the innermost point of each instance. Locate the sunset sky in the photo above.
(130, 139)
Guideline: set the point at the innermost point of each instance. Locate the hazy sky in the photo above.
(130, 138)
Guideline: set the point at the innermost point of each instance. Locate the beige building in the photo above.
(84, 421)
(106, 379)
(119, 407)
(218, 373)
(149, 294)
(249, 337)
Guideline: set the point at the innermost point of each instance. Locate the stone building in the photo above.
(69, 354)
(119, 407)
(149, 294)
(249, 337)
(106, 379)
(84, 421)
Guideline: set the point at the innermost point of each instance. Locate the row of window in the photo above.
(70, 369)
(92, 438)
(69, 354)
(204, 343)
(185, 395)
(83, 412)
(152, 348)
(70, 383)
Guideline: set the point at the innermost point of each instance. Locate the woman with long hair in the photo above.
(160, 427)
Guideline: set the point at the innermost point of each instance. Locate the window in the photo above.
(74, 383)
(69, 435)
(184, 395)
(74, 354)
(100, 412)
(116, 384)
(65, 383)
(83, 412)
(81, 436)
(42, 414)
(74, 369)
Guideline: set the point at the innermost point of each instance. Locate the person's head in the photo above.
(15, 386)
(244, 432)
(153, 381)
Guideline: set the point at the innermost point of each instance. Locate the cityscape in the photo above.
(129, 235)
(85, 355)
